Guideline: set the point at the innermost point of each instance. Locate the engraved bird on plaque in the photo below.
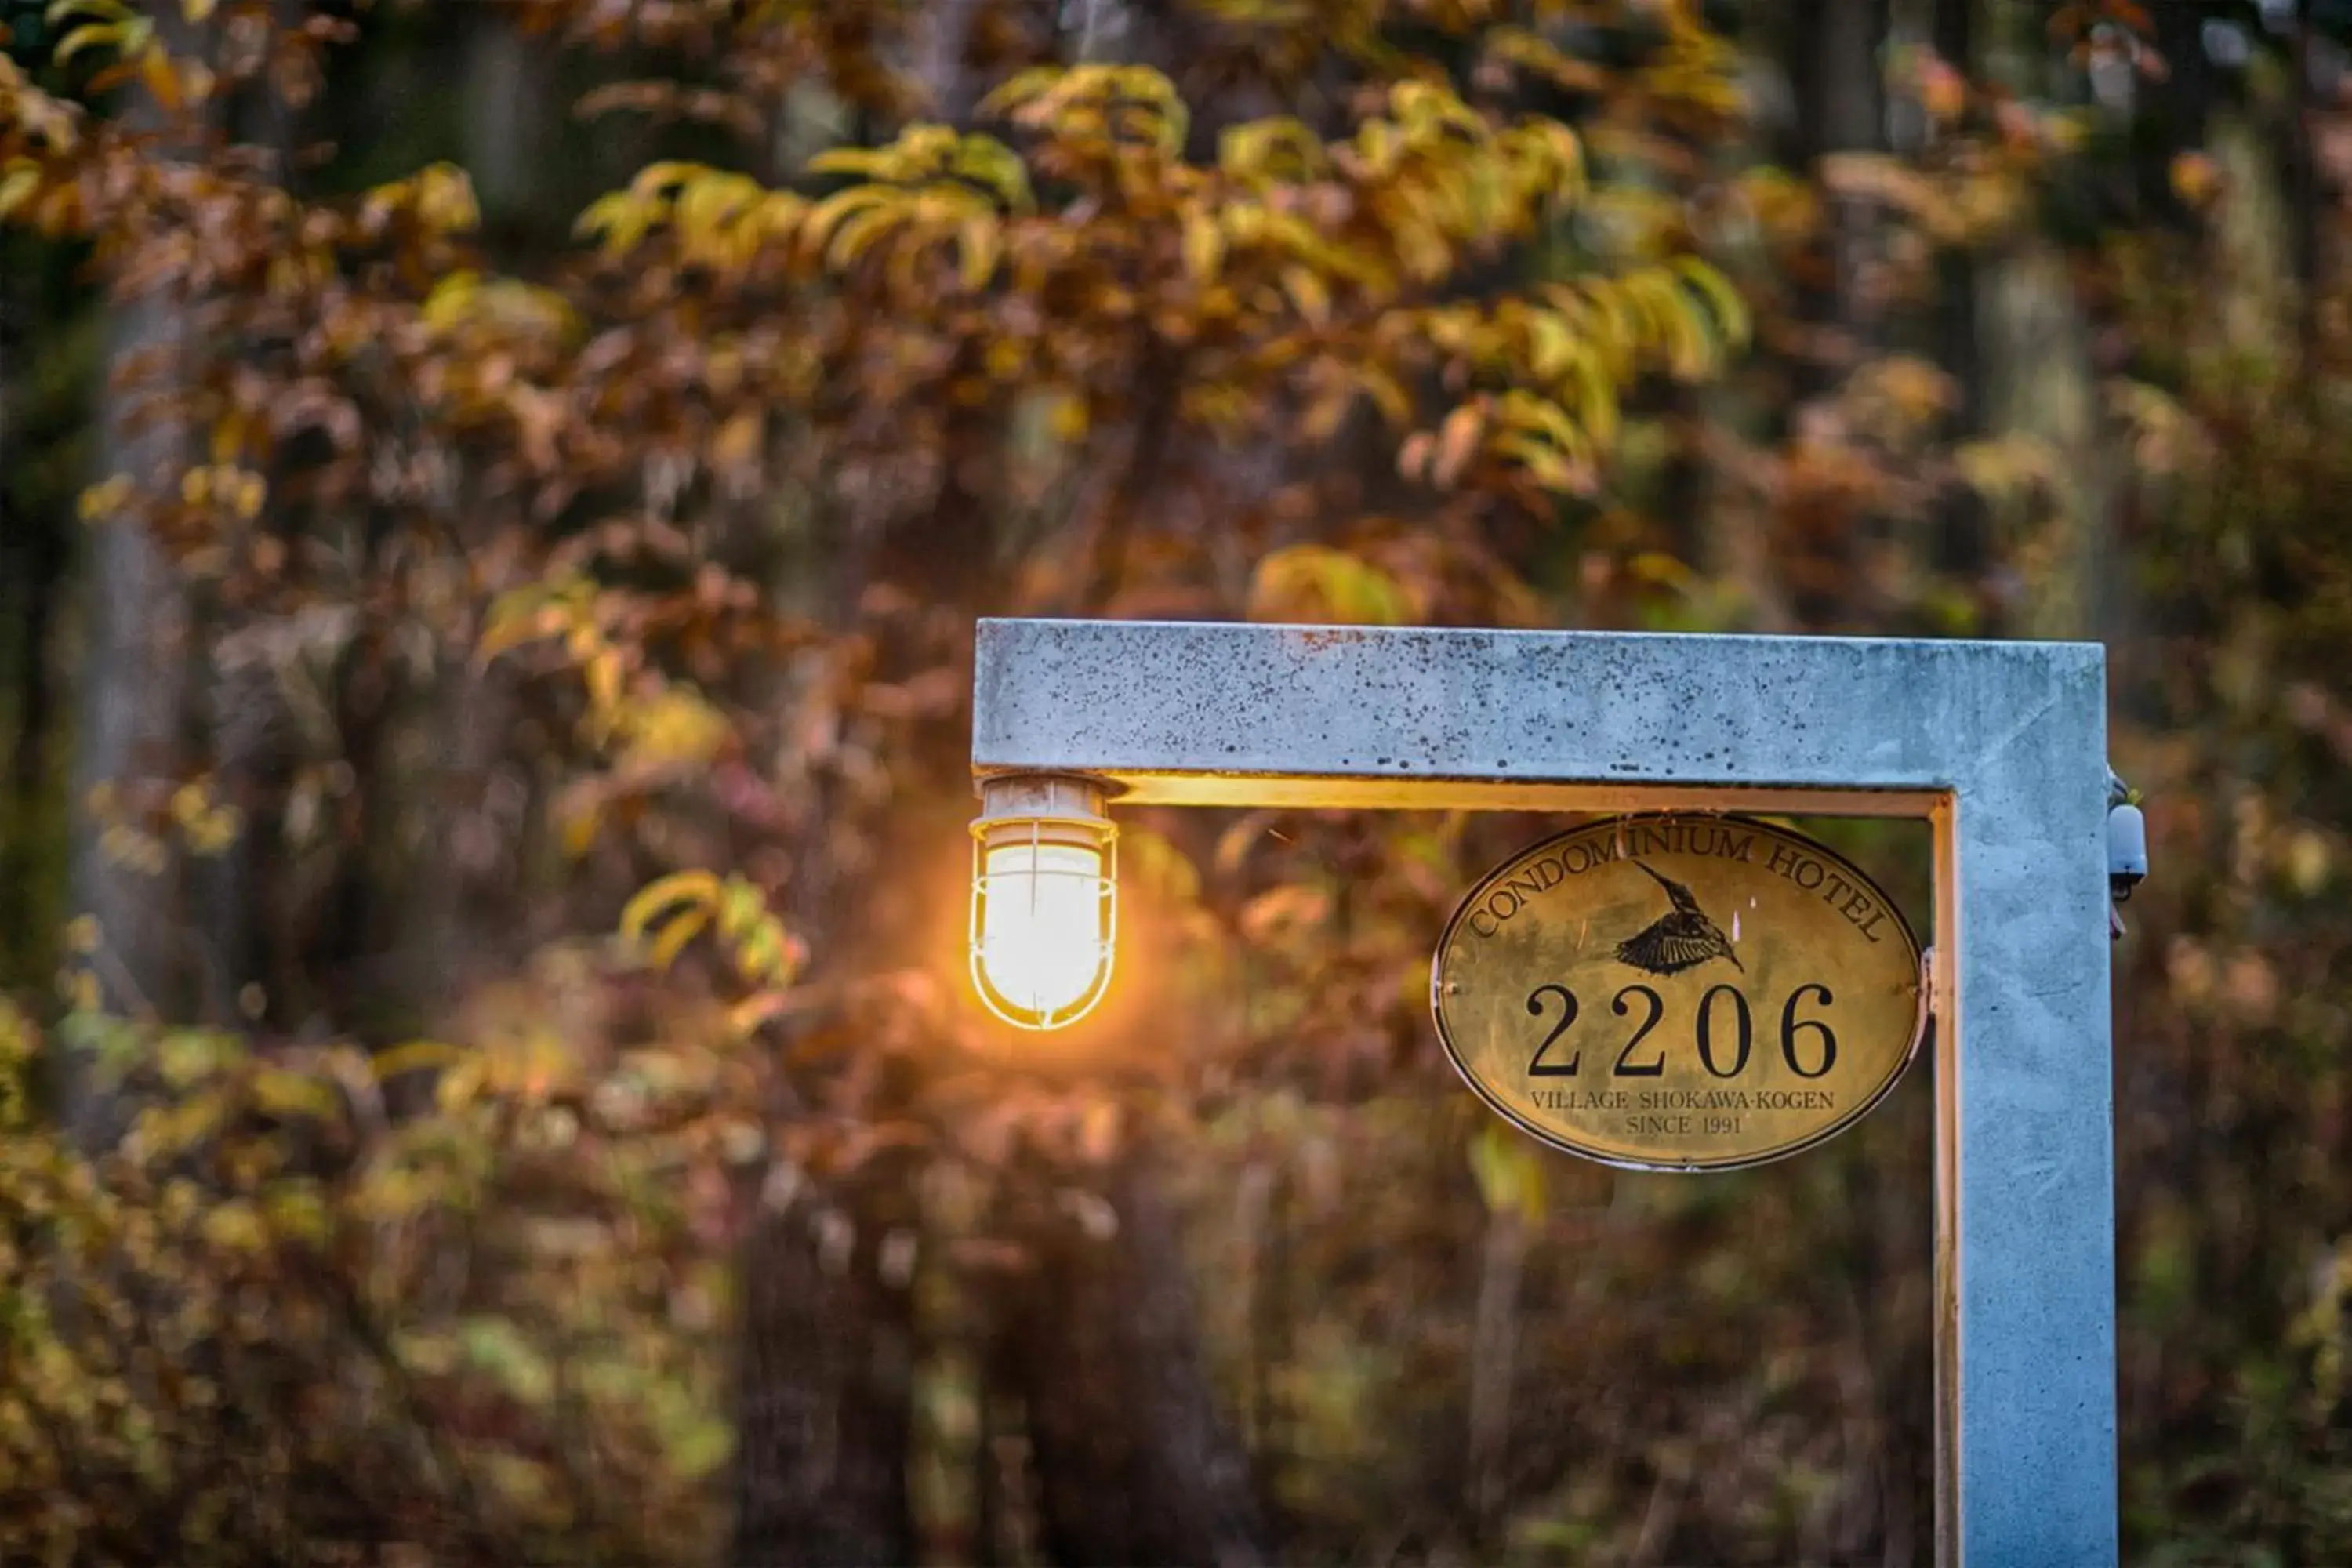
(1682, 939)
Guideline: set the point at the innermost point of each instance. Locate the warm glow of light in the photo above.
(1041, 937)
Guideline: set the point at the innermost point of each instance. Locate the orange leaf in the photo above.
(736, 444)
(1457, 438)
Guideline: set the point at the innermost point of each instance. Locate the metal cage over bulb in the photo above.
(1045, 898)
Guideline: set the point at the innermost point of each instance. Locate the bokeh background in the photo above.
(493, 501)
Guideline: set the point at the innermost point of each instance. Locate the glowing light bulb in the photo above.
(1043, 915)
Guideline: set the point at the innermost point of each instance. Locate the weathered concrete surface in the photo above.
(2001, 744)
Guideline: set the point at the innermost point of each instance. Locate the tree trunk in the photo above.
(2040, 381)
(826, 1379)
(1832, 48)
(1494, 1355)
(1955, 41)
(132, 702)
(1136, 1464)
(1963, 545)
(1889, 1203)
(451, 932)
(1831, 57)
(2171, 119)
(827, 1346)
(950, 91)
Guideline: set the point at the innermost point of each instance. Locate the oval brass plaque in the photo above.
(1679, 993)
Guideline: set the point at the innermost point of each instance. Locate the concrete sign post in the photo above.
(2002, 747)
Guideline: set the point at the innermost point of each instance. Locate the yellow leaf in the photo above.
(233, 1226)
(1317, 582)
(297, 1211)
(866, 163)
(155, 70)
(603, 674)
(676, 935)
(736, 444)
(661, 178)
(1204, 246)
(674, 726)
(451, 299)
(1656, 566)
(742, 908)
(1510, 1172)
(459, 1084)
(1542, 417)
(228, 436)
(197, 10)
(780, 215)
(987, 162)
(1308, 292)
(710, 202)
(1596, 400)
(284, 1093)
(836, 208)
(1282, 149)
(1542, 463)
(1022, 87)
(1386, 393)
(1551, 344)
(1722, 300)
(677, 888)
(1323, 416)
(506, 631)
(17, 188)
(858, 231)
(621, 217)
(413, 1056)
(581, 817)
(444, 199)
(104, 10)
(104, 497)
(979, 243)
(192, 1056)
(1422, 248)
(95, 36)
(756, 1010)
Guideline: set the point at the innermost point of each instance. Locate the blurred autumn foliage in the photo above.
(493, 501)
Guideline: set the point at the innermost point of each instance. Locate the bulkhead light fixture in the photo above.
(1045, 898)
